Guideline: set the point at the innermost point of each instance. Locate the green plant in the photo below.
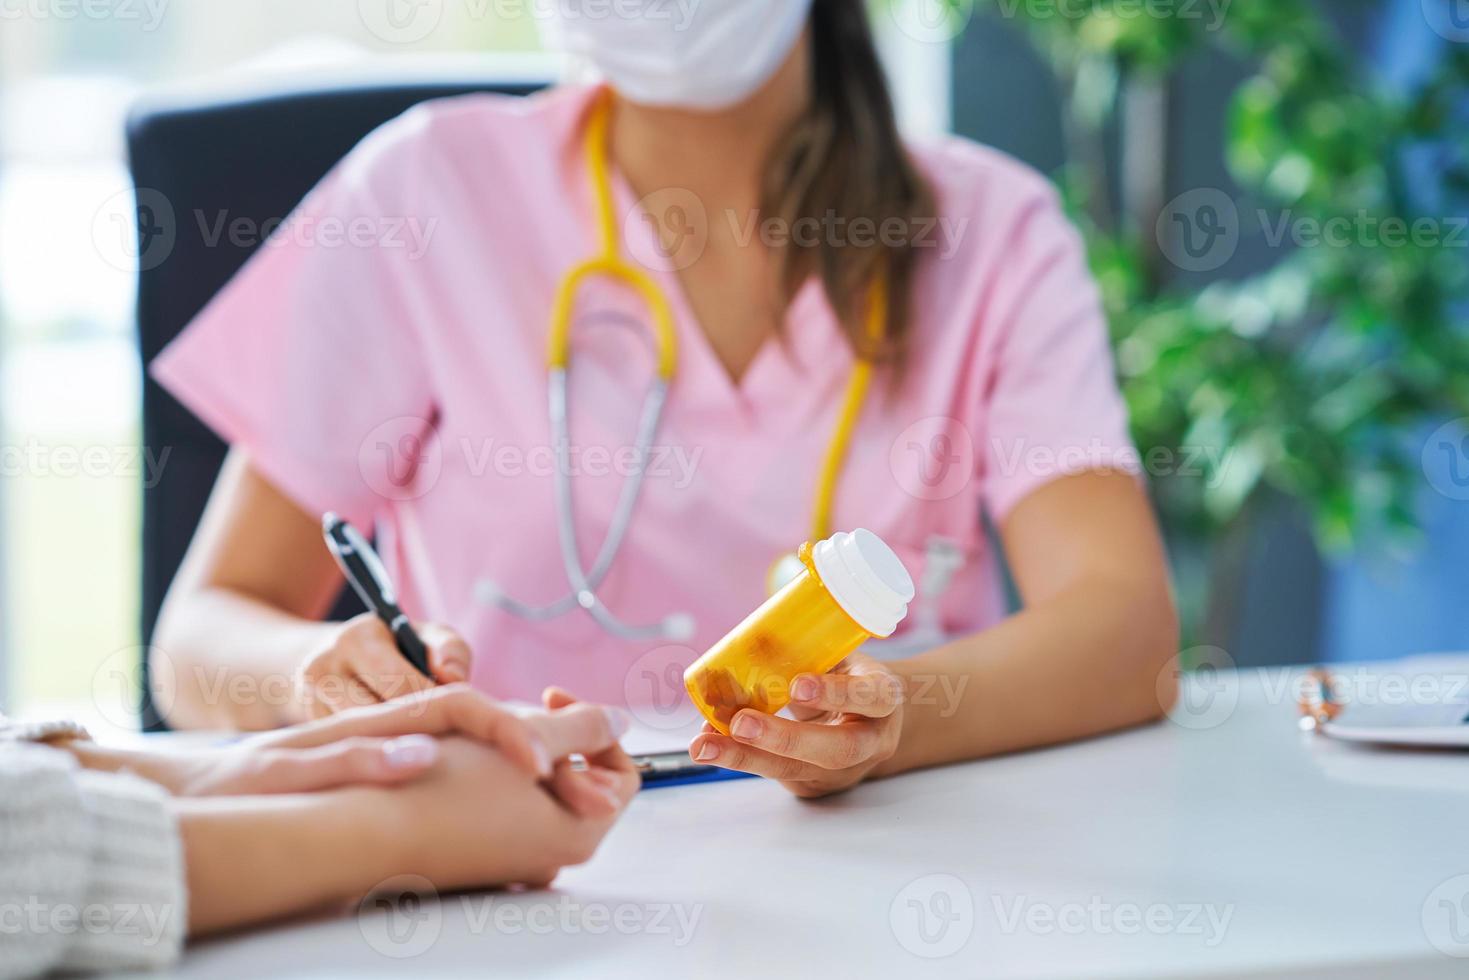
(1311, 377)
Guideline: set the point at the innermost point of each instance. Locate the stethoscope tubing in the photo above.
(585, 582)
(583, 587)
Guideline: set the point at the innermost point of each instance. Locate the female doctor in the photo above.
(849, 330)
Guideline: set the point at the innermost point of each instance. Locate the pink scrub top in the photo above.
(384, 356)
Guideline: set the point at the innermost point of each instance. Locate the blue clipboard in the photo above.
(677, 769)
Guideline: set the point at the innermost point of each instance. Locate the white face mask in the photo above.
(690, 54)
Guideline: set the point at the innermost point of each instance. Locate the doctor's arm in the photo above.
(1084, 656)
(239, 642)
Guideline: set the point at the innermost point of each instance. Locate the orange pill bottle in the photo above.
(852, 587)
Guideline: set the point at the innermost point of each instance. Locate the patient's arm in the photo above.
(475, 821)
(257, 858)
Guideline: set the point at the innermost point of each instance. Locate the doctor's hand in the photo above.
(848, 723)
(359, 664)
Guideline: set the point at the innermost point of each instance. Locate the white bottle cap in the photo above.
(866, 579)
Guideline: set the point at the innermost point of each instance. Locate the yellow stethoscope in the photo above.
(584, 582)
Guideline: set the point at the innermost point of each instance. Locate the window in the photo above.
(71, 471)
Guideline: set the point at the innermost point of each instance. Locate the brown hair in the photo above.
(845, 159)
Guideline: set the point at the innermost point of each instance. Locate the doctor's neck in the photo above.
(720, 154)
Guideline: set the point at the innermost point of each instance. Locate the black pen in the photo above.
(365, 573)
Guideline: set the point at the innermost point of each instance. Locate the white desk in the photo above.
(1061, 863)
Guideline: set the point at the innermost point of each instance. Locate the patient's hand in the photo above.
(385, 744)
(477, 820)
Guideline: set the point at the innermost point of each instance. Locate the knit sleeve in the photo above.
(91, 868)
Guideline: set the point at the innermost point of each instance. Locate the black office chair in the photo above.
(251, 156)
